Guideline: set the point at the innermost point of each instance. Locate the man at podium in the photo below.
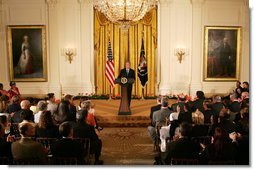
(128, 73)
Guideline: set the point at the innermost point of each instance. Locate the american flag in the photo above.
(110, 67)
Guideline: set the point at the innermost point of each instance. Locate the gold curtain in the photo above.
(126, 46)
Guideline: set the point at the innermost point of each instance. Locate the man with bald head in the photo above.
(26, 148)
(24, 114)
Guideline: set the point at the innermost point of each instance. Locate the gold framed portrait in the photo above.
(222, 50)
(27, 53)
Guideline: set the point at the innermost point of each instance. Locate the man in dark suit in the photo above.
(155, 108)
(24, 113)
(217, 107)
(83, 130)
(67, 147)
(183, 148)
(129, 74)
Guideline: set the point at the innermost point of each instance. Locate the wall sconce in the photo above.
(180, 53)
(69, 53)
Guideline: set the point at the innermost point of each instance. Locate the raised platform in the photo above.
(107, 113)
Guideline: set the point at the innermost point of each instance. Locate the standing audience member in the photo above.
(185, 115)
(238, 89)
(155, 108)
(46, 127)
(198, 103)
(216, 107)
(207, 112)
(14, 90)
(73, 109)
(245, 87)
(159, 118)
(84, 130)
(51, 100)
(26, 148)
(67, 147)
(42, 106)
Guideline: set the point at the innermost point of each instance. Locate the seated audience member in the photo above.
(220, 149)
(63, 113)
(238, 90)
(42, 106)
(217, 106)
(84, 130)
(73, 109)
(159, 118)
(198, 103)
(82, 99)
(185, 115)
(242, 142)
(207, 112)
(2, 91)
(155, 108)
(182, 148)
(26, 148)
(243, 123)
(5, 145)
(14, 106)
(14, 90)
(51, 100)
(245, 87)
(5, 123)
(46, 127)
(67, 147)
(91, 119)
(180, 102)
(198, 117)
(24, 114)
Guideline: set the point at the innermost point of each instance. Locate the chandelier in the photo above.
(124, 12)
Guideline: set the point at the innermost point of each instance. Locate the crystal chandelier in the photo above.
(124, 12)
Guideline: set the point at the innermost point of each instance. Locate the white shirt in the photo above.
(37, 117)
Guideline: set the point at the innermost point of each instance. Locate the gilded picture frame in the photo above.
(27, 53)
(222, 50)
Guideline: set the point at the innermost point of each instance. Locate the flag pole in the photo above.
(109, 84)
(143, 88)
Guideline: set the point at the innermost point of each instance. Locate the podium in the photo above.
(124, 108)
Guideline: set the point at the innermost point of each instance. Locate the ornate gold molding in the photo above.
(52, 3)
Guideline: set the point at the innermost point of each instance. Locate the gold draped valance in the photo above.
(125, 46)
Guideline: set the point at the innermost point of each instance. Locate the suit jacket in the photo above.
(83, 130)
(67, 147)
(185, 117)
(154, 109)
(235, 107)
(13, 108)
(5, 148)
(27, 149)
(159, 117)
(50, 132)
(182, 148)
(17, 116)
(123, 73)
(216, 108)
(197, 104)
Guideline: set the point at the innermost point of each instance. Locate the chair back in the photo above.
(180, 161)
(87, 148)
(27, 162)
(46, 142)
(229, 162)
(4, 161)
(65, 161)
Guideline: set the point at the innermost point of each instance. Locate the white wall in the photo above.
(183, 23)
(69, 23)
